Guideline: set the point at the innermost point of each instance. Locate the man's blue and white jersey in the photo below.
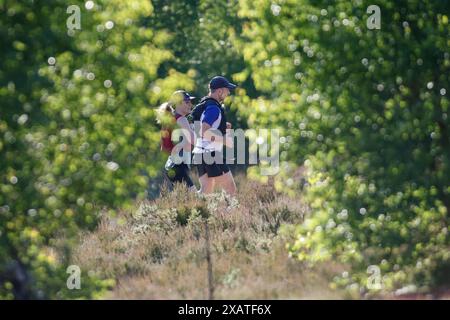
(212, 116)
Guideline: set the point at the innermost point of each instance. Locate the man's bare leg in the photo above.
(206, 184)
(226, 182)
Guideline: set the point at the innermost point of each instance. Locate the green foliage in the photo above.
(77, 127)
(363, 116)
(365, 112)
(202, 38)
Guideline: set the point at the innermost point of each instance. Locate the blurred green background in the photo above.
(363, 115)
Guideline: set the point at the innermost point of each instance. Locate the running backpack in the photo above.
(196, 114)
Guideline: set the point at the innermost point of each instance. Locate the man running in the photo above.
(214, 134)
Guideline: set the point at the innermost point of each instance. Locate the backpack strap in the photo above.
(196, 114)
(200, 108)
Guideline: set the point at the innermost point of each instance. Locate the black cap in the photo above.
(179, 96)
(221, 82)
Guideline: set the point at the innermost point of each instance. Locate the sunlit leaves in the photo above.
(365, 112)
(77, 126)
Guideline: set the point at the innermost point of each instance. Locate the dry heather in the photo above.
(158, 250)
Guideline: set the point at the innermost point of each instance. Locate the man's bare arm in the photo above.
(211, 136)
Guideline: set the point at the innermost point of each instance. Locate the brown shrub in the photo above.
(157, 251)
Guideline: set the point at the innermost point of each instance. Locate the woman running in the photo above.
(171, 116)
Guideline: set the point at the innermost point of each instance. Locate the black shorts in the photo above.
(179, 173)
(211, 169)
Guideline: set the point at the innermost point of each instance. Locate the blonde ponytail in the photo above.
(164, 114)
